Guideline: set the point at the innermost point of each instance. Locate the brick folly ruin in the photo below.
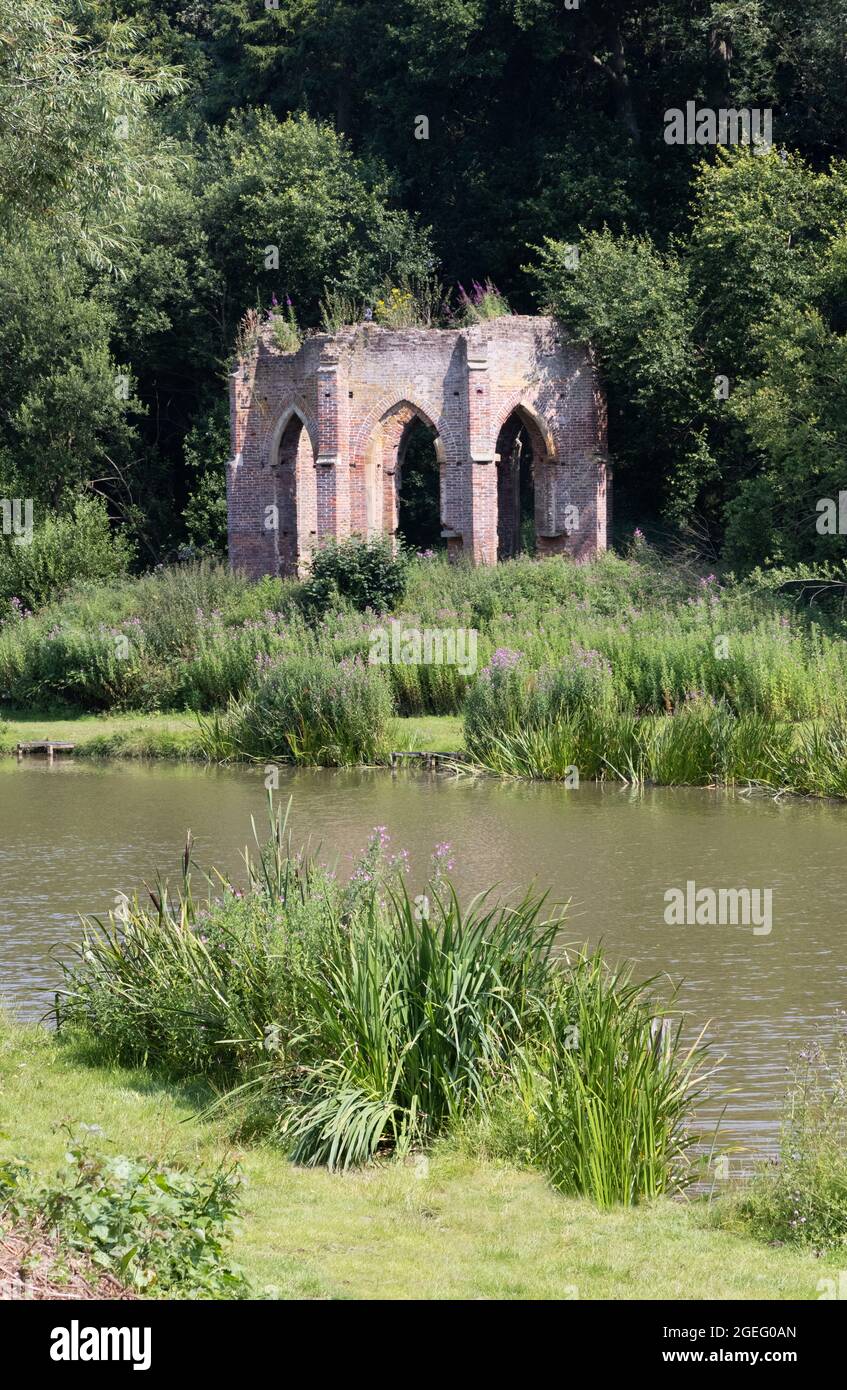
(319, 439)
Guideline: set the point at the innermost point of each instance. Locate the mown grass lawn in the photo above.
(430, 733)
(447, 1227)
(119, 735)
(176, 735)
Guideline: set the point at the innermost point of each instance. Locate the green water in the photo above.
(75, 834)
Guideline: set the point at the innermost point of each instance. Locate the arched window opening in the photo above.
(419, 487)
(517, 475)
(292, 523)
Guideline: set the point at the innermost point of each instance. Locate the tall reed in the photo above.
(518, 724)
(414, 1016)
(353, 1021)
(614, 1090)
(308, 710)
(204, 983)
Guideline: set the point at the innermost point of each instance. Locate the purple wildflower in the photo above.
(441, 857)
(504, 659)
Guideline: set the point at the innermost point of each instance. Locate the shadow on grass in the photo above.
(195, 1094)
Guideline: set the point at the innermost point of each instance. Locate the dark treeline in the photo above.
(165, 167)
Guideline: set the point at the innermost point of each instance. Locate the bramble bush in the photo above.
(368, 574)
(157, 1227)
(801, 1199)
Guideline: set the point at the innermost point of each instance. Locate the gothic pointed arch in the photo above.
(291, 510)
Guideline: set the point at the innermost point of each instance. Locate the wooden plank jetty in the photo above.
(429, 760)
(50, 747)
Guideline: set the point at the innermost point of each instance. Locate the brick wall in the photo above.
(318, 437)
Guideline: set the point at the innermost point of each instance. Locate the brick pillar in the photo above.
(483, 469)
(332, 463)
(605, 539)
(251, 545)
(233, 468)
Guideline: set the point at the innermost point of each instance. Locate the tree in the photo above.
(68, 406)
(206, 454)
(795, 415)
(760, 229)
(288, 192)
(635, 304)
(74, 143)
(288, 209)
(723, 356)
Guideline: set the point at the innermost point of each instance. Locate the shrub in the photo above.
(369, 574)
(162, 1229)
(206, 450)
(71, 546)
(100, 668)
(310, 710)
(802, 1199)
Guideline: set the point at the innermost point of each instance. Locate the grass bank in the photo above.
(178, 735)
(452, 1227)
(635, 668)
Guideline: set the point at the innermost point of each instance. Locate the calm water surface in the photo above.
(75, 834)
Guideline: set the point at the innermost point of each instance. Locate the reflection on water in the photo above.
(75, 834)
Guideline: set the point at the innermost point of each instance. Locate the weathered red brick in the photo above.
(318, 438)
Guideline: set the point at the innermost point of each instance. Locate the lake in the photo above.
(75, 834)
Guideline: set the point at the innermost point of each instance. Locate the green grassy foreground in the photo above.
(447, 1228)
(176, 735)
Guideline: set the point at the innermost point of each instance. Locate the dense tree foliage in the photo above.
(165, 166)
(720, 353)
(64, 420)
(74, 141)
